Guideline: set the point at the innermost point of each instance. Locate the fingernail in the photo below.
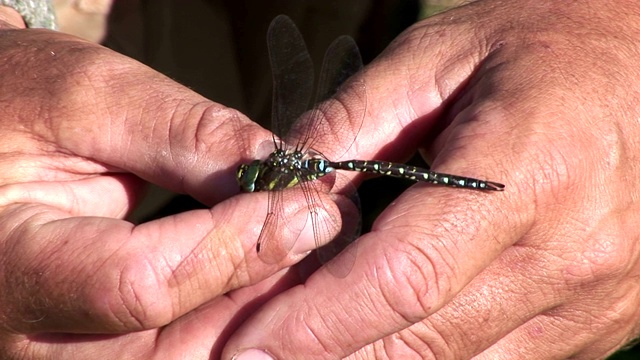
(309, 238)
(304, 239)
(252, 354)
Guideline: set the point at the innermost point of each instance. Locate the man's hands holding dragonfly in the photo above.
(538, 96)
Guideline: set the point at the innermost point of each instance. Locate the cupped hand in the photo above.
(83, 129)
(540, 96)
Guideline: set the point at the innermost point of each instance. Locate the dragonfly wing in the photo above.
(338, 127)
(341, 60)
(345, 230)
(282, 226)
(269, 249)
(293, 78)
(292, 71)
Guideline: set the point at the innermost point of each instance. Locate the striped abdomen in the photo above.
(415, 173)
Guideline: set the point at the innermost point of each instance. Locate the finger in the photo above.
(404, 97)
(123, 116)
(406, 269)
(79, 197)
(200, 333)
(511, 292)
(102, 275)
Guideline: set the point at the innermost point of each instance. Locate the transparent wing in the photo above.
(329, 128)
(292, 71)
(332, 234)
(280, 224)
(286, 218)
(328, 125)
(344, 233)
(293, 79)
(341, 60)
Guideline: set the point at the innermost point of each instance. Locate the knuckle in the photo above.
(412, 344)
(606, 255)
(133, 301)
(420, 341)
(415, 281)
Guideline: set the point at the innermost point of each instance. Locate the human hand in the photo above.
(83, 129)
(537, 95)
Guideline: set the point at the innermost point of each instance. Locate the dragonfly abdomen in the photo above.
(415, 173)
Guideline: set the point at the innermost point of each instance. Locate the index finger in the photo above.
(118, 115)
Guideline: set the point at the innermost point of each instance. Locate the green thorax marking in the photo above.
(281, 170)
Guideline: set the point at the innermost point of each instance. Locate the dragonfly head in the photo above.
(247, 175)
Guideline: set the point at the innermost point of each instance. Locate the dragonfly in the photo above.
(294, 170)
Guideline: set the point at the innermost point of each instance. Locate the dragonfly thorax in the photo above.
(285, 160)
(247, 175)
(281, 170)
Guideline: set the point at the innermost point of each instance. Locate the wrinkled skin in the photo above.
(540, 96)
(537, 96)
(83, 129)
